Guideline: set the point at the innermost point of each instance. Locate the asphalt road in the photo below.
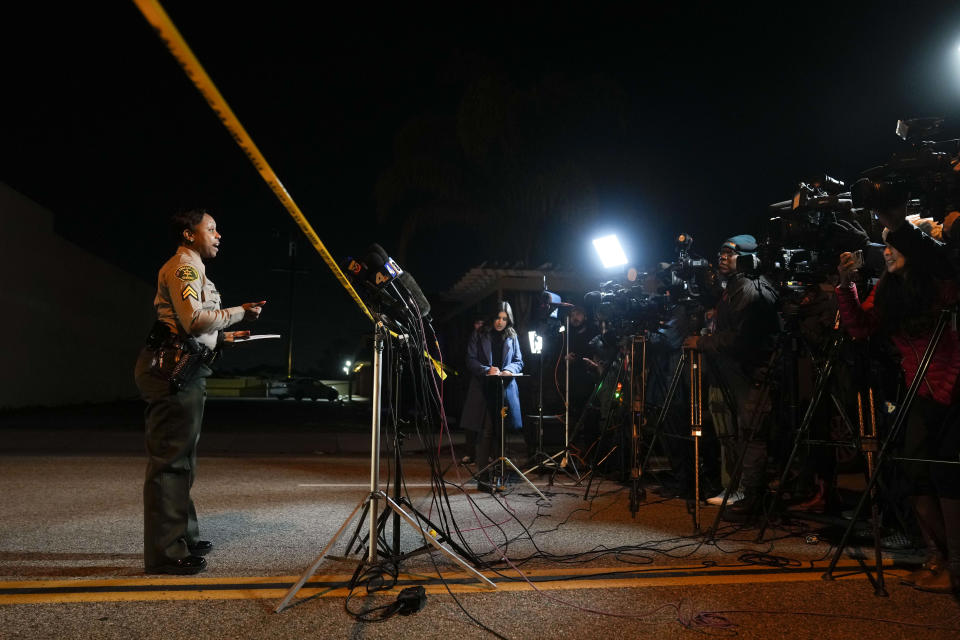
(71, 530)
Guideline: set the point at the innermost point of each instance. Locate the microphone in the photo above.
(404, 278)
(355, 269)
(382, 269)
(416, 294)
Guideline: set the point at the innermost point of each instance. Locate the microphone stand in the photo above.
(372, 501)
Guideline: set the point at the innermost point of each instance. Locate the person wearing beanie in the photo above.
(738, 346)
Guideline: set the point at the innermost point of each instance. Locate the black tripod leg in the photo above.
(604, 425)
(595, 464)
(667, 402)
(891, 437)
(356, 532)
(440, 536)
(822, 381)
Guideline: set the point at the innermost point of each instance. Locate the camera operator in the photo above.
(598, 354)
(738, 350)
(904, 306)
(583, 367)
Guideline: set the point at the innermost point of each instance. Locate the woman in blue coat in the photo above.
(493, 350)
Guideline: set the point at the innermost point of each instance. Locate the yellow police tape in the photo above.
(171, 37)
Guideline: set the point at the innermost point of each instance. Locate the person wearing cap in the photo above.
(738, 351)
(904, 306)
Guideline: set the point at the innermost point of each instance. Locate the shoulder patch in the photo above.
(190, 292)
(187, 273)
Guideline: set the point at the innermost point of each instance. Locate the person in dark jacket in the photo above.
(738, 348)
(583, 367)
(493, 353)
(904, 305)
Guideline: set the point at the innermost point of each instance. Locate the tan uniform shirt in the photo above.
(188, 301)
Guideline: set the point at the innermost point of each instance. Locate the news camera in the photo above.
(805, 236)
(689, 278)
(647, 300)
(628, 305)
(927, 174)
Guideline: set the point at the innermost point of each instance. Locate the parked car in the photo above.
(300, 388)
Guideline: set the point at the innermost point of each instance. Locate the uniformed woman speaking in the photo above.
(171, 375)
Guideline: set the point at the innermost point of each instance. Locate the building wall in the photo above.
(71, 324)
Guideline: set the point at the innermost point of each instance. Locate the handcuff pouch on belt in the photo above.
(177, 358)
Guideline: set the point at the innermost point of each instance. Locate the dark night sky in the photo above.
(717, 114)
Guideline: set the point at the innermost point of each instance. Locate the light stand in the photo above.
(376, 495)
(545, 460)
(566, 464)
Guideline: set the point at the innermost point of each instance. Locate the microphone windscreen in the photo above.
(374, 259)
(414, 290)
(378, 250)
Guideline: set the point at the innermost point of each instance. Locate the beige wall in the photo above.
(71, 324)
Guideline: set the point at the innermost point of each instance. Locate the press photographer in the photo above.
(904, 306)
(738, 346)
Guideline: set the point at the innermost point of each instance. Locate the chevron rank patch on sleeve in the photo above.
(190, 292)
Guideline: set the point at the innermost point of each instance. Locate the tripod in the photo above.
(370, 504)
(638, 403)
(393, 553)
(503, 460)
(696, 428)
(824, 375)
(613, 399)
(689, 362)
(902, 413)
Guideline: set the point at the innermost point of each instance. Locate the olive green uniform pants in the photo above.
(172, 432)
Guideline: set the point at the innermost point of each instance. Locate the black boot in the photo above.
(747, 510)
(950, 507)
(930, 522)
